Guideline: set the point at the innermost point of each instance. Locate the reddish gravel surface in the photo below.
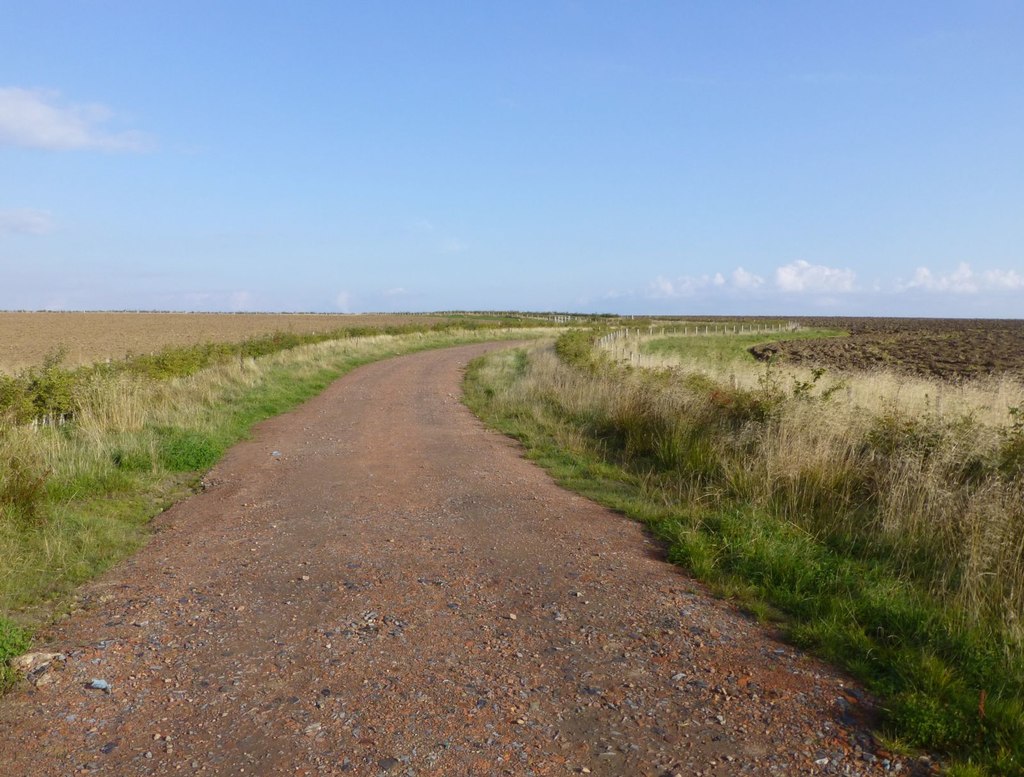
(377, 584)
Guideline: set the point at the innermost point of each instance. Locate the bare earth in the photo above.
(26, 338)
(399, 592)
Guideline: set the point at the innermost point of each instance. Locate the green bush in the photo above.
(15, 402)
(576, 347)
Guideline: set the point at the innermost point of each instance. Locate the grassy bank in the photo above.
(77, 498)
(889, 542)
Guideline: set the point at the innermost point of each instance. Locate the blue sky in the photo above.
(633, 157)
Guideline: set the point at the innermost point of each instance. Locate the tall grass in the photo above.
(890, 535)
(76, 498)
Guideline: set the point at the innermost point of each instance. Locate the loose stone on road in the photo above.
(376, 584)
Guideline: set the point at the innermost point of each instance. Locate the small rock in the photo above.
(511, 616)
(31, 662)
(100, 685)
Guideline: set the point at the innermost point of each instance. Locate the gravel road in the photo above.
(376, 584)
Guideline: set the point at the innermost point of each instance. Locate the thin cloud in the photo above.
(742, 279)
(963, 280)
(803, 277)
(797, 277)
(25, 221)
(36, 118)
(1004, 280)
(685, 285)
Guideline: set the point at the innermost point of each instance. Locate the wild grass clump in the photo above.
(892, 541)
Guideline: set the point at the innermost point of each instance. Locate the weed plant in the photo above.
(891, 542)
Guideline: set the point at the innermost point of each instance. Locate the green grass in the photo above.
(850, 602)
(14, 641)
(728, 347)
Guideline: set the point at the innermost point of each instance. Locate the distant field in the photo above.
(944, 348)
(720, 348)
(27, 338)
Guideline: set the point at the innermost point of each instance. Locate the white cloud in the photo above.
(963, 280)
(685, 286)
(1009, 280)
(36, 118)
(688, 285)
(742, 279)
(801, 276)
(25, 221)
(663, 287)
(396, 292)
(343, 301)
(796, 277)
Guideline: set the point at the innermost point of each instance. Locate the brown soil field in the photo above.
(952, 349)
(26, 338)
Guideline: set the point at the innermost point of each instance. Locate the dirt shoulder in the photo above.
(377, 584)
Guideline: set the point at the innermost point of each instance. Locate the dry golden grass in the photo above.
(928, 499)
(985, 399)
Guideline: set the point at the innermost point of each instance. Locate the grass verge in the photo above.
(876, 559)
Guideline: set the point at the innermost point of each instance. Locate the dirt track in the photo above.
(400, 592)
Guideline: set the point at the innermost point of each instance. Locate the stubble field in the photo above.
(26, 338)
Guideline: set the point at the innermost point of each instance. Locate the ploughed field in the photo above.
(26, 338)
(947, 348)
